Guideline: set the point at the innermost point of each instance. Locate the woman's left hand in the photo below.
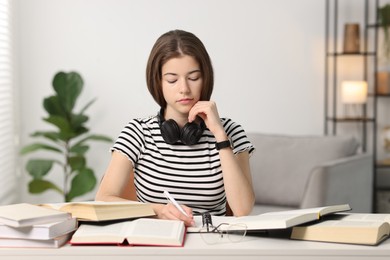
(207, 110)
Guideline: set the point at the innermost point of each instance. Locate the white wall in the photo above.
(268, 58)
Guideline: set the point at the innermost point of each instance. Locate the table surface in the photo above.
(252, 247)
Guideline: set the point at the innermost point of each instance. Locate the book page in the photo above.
(101, 233)
(364, 217)
(116, 229)
(346, 223)
(92, 202)
(319, 210)
(153, 228)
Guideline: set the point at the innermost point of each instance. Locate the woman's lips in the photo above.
(185, 101)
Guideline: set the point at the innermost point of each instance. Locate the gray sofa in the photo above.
(291, 172)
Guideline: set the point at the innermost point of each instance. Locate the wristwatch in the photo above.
(224, 144)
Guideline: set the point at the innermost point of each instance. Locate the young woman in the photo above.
(202, 160)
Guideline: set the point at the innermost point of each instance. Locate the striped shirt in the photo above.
(192, 174)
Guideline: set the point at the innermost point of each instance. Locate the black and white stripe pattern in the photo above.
(192, 174)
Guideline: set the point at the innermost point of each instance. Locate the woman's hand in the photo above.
(208, 111)
(169, 211)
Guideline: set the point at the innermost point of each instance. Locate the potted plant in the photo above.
(383, 75)
(384, 23)
(68, 144)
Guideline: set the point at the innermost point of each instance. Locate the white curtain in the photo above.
(8, 137)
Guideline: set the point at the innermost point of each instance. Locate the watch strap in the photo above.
(223, 144)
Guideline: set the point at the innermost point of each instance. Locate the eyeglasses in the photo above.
(233, 232)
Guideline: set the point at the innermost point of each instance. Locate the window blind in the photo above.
(8, 176)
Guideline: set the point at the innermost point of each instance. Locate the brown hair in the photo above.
(174, 44)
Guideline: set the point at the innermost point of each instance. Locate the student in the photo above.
(202, 160)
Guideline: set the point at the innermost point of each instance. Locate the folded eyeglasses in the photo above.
(212, 235)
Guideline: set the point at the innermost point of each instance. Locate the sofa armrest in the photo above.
(347, 180)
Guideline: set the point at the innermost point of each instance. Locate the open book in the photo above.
(274, 220)
(24, 214)
(104, 211)
(143, 231)
(354, 228)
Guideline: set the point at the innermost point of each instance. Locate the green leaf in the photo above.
(38, 146)
(68, 87)
(79, 149)
(53, 106)
(39, 186)
(77, 162)
(77, 120)
(38, 168)
(53, 136)
(60, 122)
(82, 183)
(95, 137)
(79, 131)
(67, 129)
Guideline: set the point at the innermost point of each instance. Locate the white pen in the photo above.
(174, 202)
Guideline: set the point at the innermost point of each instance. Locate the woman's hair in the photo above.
(174, 44)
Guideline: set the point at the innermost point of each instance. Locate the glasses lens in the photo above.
(236, 232)
(209, 237)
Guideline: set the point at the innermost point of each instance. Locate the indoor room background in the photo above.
(268, 58)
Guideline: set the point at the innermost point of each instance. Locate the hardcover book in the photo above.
(24, 214)
(44, 243)
(104, 211)
(39, 231)
(355, 228)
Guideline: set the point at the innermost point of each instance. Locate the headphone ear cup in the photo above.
(170, 131)
(191, 133)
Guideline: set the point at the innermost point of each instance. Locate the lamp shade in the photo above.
(354, 92)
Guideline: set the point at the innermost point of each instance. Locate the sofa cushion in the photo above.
(282, 164)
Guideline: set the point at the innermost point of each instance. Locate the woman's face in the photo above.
(181, 85)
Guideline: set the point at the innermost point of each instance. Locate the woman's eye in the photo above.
(194, 79)
(171, 81)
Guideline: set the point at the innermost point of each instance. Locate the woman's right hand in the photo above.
(169, 211)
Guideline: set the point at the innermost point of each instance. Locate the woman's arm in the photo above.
(236, 171)
(118, 180)
(238, 182)
(118, 184)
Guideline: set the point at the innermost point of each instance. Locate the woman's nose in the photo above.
(183, 86)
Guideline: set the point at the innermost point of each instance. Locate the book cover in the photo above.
(104, 211)
(24, 214)
(39, 231)
(143, 231)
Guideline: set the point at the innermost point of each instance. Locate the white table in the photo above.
(251, 248)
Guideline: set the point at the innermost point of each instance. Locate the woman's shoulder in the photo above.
(229, 123)
(143, 121)
(238, 136)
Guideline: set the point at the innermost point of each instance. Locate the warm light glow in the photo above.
(354, 92)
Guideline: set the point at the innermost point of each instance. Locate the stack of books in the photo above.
(28, 225)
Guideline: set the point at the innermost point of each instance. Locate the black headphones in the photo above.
(171, 133)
